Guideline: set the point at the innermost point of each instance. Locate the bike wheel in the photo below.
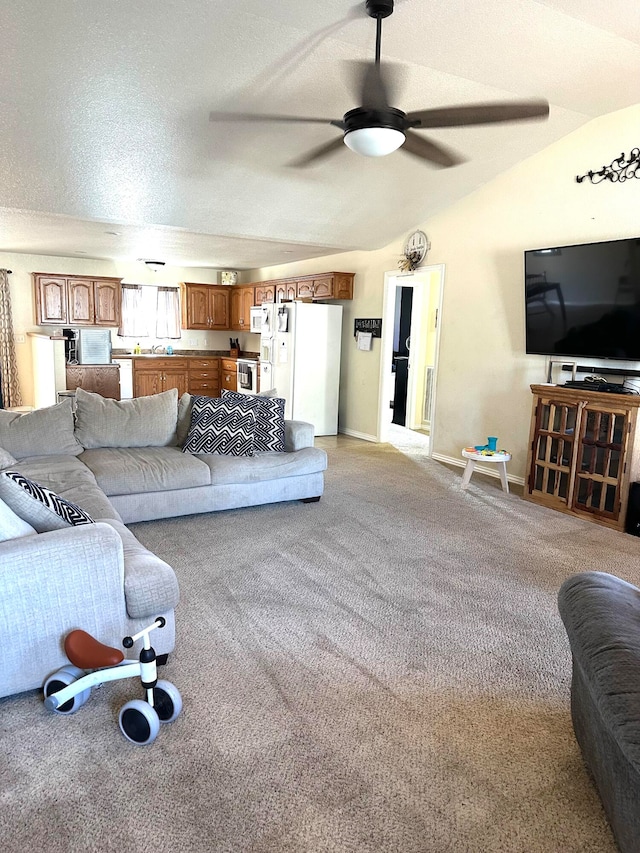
(139, 722)
(167, 701)
(63, 678)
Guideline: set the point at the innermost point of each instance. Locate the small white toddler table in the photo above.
(499, 459)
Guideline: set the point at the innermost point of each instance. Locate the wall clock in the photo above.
(415, 250)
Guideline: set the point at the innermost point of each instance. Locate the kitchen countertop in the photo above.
(116, 354)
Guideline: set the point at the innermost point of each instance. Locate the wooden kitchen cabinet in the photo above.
(50, 299)
(242, 301)
(153, 375)
(103, 379)
(285, 291)
(204, 376)
(204, 306)
(264, 293)
(77, 300)
(335, 285)
(583, 452)
(229, 374)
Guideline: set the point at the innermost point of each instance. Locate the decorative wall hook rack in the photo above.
(620, 169)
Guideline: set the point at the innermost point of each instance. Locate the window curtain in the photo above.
(135, 318)
(9, 385)
(150, 312)
(168, 313)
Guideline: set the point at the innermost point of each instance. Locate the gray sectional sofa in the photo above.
(121, 462)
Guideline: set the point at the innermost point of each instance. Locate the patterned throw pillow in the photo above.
(43, 509)
(269, 432)
(221, 426)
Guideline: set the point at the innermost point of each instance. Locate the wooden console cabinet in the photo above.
(102, 379)
(583, 452)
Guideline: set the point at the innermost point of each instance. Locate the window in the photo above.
(150, 312)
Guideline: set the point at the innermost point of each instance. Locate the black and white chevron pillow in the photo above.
(41, 507)
(221, 426)
(269, 432)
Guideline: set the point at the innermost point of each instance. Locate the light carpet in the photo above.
(381, 671)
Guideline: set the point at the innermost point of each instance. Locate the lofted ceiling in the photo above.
(107, 151)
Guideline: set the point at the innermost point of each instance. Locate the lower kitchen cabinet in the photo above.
(151, 376)
(102, 379)
(583, 452)
(204, 376)
(229, 374)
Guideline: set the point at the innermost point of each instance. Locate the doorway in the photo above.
(409, 350)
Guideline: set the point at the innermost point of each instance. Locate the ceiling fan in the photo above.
(376, 128)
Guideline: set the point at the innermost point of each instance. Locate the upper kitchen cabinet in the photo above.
(285, 291)
(242, 301)
(264, 293)
(50, 299)
(205, 306)
(331, 285)
(76, 300)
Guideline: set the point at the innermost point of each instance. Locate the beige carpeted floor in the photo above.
(382, 671)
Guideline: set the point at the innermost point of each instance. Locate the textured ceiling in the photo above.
(105, 110)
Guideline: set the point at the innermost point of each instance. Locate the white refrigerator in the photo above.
(300, 346)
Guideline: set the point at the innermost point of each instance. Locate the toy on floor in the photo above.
(69, 688)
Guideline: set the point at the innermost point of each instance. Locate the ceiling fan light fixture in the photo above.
(374, 141)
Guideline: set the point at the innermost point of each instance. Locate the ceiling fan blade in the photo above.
(374, 85)
(479, 114)
(318, 153)
(425, 149)
(215, 116)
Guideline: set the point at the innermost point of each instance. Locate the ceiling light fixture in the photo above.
(374, 141)
(156, 266)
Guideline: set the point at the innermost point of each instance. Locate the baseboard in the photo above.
(363, 435)
(490, 472)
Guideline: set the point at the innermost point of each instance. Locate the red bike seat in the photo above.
(86, 652)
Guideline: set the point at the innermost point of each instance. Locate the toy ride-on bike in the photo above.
(69, 688)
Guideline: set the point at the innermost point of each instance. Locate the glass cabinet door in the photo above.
(600, 462)
(553, 449)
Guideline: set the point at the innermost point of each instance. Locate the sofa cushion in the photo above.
(50, 430)
(72, 480)
(139, 422)
(150, 584)
(269, 412)
(38, 505)
(228, 470)
(11, 525)
(221, 426)
(185, 404)
(129, 471)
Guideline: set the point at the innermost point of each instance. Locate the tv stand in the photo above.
(584, 452)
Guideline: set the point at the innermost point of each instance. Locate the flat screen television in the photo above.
(584, 300)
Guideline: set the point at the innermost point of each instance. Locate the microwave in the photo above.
(255, 319)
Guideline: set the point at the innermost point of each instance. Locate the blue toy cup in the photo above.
(492, 442)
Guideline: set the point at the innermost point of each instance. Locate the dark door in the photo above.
(401, 343)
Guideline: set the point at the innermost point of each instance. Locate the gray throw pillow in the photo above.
(139, 422)
(39, 506)
(6, 459)
(184, 418)
(43, 432)
(269, 429)
(221, 426)
(11, 525)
